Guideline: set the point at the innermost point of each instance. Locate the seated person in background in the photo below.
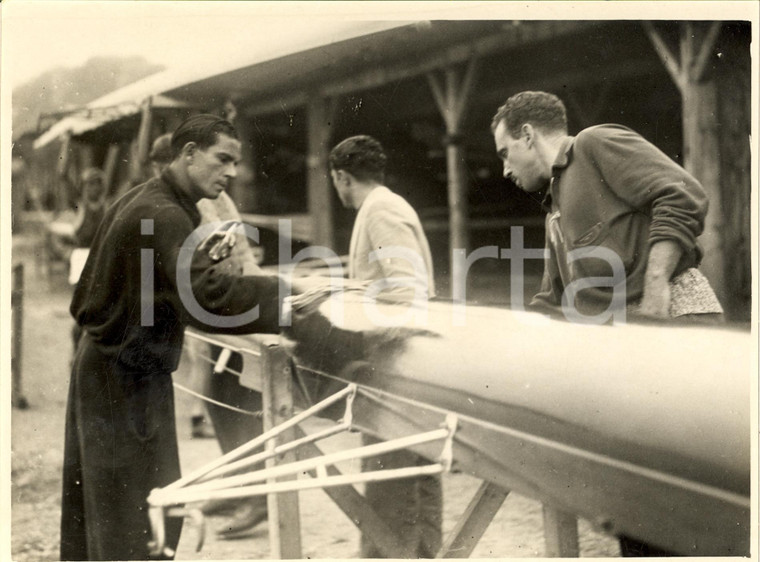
(92, 207)
(65, 237)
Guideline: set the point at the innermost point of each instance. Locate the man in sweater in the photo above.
(145, 280)
(388, 246)
(619, 210)
(612, 194)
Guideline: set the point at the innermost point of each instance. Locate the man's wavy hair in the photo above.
(361, 156)
(203, 130)
(544, 111)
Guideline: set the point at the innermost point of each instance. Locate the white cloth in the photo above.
(223, 209)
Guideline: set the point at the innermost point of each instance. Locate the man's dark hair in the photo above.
(203, 130)
(361, 156)
(542, 110)
(161, 151)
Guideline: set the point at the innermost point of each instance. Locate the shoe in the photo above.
(248, 515)
(200, 428)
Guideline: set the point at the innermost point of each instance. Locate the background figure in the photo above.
(92, 209)
(609, 187)
(232, 429)
(412, 507)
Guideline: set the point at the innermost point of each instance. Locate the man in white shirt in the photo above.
(388, 243)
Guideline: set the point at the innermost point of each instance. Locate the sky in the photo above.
(39, 35)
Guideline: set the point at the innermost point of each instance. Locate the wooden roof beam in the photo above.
(665, 54)
(453, 56)
(699, 65)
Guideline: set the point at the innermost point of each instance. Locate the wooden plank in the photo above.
(284, 514)
(481, 510)
(353, 504)
(560, 533)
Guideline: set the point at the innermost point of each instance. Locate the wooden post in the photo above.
(320, 193)
(109, 167)
(700, 131)
(277, 394)
(452, 94)
(244, 188)
(356, 508)
(560, 533)
(140, 162)
(474, 521)
(17, 307)
(61, 184)
(86, 157)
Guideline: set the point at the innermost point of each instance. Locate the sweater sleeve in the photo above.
(219, 288)
(647, 179)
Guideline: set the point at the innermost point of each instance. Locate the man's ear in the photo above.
(343, 175)
(528, 133)
(347, 177)
(189, 149)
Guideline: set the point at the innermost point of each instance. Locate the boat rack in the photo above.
(221, 478)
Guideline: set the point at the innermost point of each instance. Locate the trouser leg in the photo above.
(127, 443)
(73, 533)
(411, 507)
(234, 429)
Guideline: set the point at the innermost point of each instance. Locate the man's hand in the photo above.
(656, 300)
(663, 259)
(219, 243)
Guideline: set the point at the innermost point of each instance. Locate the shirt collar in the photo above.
(561, 162)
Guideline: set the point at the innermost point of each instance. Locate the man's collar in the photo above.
(372, 192)
(183, 197)
(563, 156)
(561, 162)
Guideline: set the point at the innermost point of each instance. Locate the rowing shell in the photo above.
(643, 430)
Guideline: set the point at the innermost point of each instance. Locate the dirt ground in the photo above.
(37, 451)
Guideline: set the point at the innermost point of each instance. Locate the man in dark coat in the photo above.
(143, 283)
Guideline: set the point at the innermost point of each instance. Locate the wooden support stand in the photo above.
(277, 394)
(474, 521)
(560, 533)
(271, 372)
